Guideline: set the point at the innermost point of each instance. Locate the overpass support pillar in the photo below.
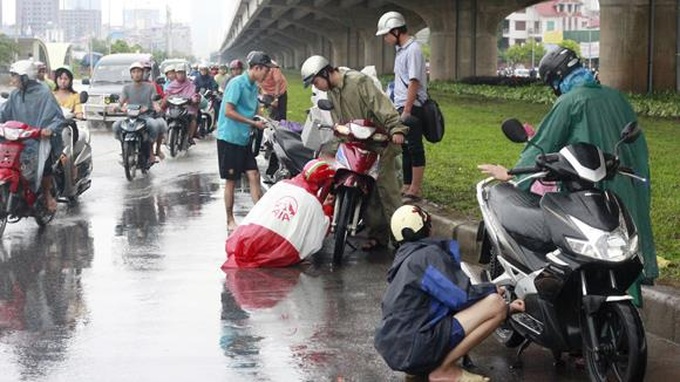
(299, 56)
(625, 42)
(377, 53)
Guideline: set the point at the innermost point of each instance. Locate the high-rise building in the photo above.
(79, 25)
(82, 4)
(141, 18)
(35, 17)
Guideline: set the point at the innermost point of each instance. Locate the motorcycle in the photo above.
(283, 150)
(209, 107)
(177, 117)
(72, 170)
(356, 164)
(134, 138)
(570, 255)
(17, 198)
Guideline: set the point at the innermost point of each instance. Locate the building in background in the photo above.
(554, 21)
(141, 18)
(79, 25)
(36, 17)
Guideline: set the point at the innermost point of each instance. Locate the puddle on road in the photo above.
(146, 212)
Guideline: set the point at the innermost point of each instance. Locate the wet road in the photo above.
(126, 286)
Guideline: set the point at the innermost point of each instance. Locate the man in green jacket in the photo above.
(354, 96)
(586, 111)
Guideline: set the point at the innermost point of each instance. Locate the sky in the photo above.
(208, 18)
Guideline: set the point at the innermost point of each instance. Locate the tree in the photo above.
(571, 44)
(120, 46)
(522, 53)
(8, 49)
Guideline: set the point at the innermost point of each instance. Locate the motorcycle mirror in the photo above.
(113, 98)
(4, 95)
(84, 97)
(160, 80)
(514, 130)
(265, 99)
(325, 104)
(630, 133)
(85, 81)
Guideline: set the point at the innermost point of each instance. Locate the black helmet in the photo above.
(260, 58)
(556, 65)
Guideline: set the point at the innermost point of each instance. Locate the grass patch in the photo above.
(473, 136)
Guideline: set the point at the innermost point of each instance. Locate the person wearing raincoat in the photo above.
(287, 225)
(586, 111)
(33, 103)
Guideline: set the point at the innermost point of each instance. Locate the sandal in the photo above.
(472, 377)
(371, 245)
(412, 198)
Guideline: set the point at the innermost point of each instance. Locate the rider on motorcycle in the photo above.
(235, 70)
(181, 86)
(170, 76)
(65, 95)
(355, 96)
(204, 80)
(42, 75)
(33, 103)
(586, 111)
(141, 92)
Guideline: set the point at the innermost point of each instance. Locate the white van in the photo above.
(109, 76)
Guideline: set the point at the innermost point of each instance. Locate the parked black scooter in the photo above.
(571, 256)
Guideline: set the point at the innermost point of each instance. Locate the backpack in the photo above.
(433, 125)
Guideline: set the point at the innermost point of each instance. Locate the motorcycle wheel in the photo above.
(622, 339)
(42, 215)
(129, 156)
(172, 141)
(4, 201)
(347, 202)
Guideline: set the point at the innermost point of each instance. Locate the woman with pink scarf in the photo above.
(184, 88)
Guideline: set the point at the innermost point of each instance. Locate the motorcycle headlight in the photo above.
(614, 246)
(343, 129)
(380, 137)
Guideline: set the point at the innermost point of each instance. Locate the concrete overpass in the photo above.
(639, 42)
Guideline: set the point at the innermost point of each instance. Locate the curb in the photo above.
(661, 308)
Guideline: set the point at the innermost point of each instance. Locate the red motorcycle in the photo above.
(356, 173)
(17, 199)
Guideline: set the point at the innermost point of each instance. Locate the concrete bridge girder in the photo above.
(635, 39)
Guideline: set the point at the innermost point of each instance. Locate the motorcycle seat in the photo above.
(521, 215)
(291, 143)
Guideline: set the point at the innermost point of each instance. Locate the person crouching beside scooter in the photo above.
(287, 224)
(432, 314)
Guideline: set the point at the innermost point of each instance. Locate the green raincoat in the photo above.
(596, 114)
(357, 97)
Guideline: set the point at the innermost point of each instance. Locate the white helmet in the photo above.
(24, 68)
(410, 223)
(136, 65)
(202, 65)
(389, 21)
(169, 68)
(311, 68)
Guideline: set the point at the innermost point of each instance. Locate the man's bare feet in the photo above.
(231, 226)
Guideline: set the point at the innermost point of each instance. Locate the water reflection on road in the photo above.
(41, 296)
